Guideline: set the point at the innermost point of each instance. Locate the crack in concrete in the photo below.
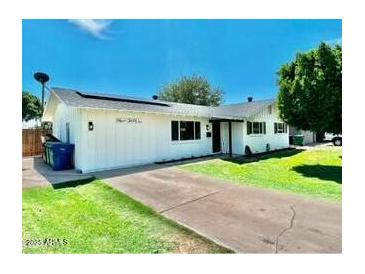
(285, 229)
(190, 201)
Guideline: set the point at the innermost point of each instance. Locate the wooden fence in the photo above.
(32, 144)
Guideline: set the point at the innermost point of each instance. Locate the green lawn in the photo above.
(94, 218)
(315, 173)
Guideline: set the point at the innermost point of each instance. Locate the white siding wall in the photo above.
(59, 122)
(237, 138)
(114, 144)
(64, 114)
(257, 142)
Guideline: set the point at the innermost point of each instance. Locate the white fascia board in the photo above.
(141, 111)
(161, 113)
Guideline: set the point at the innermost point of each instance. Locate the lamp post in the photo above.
(42, 78)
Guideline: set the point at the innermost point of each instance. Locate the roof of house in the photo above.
(74, 98)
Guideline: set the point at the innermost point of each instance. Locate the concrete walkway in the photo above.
(36, 173)
(244, 219)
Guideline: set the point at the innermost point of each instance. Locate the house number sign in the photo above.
(129, 120)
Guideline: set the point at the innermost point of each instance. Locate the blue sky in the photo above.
(137, 57)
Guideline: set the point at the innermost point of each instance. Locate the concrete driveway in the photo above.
(244, 219)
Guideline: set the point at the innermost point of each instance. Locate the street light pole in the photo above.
(42, 78)
(42, 97)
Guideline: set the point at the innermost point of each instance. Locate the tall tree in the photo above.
(31, 106)
(310, 90)
(192, 90)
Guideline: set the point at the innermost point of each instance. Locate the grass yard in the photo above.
(95, 218)
(316, 173)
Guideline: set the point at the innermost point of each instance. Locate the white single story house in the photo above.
(116, 131)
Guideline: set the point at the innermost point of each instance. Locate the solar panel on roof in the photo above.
(113, 96)
(120, 98)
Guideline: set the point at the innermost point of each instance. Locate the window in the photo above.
(280, 128)
(174, 130)
(256, 128)
(197, 130)
(249, 128)
(185, 130)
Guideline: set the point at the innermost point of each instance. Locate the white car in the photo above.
(336, 139)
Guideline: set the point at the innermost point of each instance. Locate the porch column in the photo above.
(230, 138)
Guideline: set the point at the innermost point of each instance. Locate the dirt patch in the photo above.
(194, 244)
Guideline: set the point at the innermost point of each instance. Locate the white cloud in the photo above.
(96, 27)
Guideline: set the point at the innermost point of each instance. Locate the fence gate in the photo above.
(32, 144)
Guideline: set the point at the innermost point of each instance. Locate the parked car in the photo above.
(336, 139)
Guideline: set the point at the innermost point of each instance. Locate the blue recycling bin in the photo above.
(59, 155)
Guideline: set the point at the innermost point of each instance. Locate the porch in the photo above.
(222, 136)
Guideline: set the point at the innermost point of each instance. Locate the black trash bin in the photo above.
(48, 138)
(298, 140)
(291, 140)
(47, 148)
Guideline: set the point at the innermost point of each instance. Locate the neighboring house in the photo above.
(309, 136)
(33, 123)
(116, 131)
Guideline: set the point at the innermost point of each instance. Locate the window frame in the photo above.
(261, 128)
(278, 130)
(196, 135)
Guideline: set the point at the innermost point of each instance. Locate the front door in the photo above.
(216, 131)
